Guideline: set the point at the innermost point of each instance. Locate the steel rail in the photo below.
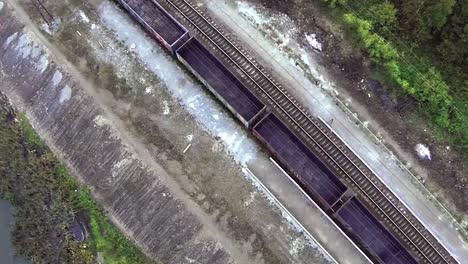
(310, 137)
(47, 17)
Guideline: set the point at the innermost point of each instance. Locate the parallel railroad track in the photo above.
(45, 14)
(322, 141)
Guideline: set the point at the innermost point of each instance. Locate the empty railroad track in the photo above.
(325, 144)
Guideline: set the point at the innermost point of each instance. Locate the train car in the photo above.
(363, 225)
(314, 176)
(309, 172)
(322, 185)
(221, 82)
(158, 22)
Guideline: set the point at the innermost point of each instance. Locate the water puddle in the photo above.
(7, 252)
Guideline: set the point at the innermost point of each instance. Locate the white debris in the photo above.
(99, 120)
(100, 44)
(42, 64)
(423, 151)
(312, 39)
(23, 46)
(189, 138)
(250, 199)
(250, 13)
(36, 52)
(166, 108)
(56, 78)
(217, 147)
(65, 94)
(79, 34)
(187, 148)
(190, 260)
(297, 246)
(133, 46)
(149, 90)
(45, 28)
(83, 16)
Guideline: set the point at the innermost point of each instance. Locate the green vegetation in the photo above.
(421, 49)
(48, 201)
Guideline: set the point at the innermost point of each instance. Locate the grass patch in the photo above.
(107, 238)
(33, 141)
(409, 70)
(47, 201)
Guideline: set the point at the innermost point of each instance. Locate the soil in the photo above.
(205, 181)
(395, 117)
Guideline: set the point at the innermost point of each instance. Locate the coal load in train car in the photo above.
(372, 234)
(220, 81)
(306, 168)
(158, 22)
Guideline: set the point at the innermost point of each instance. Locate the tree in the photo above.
(333, 3)
(379, 50)
(432, 92)
(436, 13)
(422, 20)
(383, 16)
(454, 37)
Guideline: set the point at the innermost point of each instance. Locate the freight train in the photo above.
(310, 173)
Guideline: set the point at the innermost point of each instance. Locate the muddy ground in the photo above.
(396, 118)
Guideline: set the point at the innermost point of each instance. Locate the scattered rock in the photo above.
(77, 231)
(80, 227)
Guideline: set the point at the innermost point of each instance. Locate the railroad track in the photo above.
(45, 14)
(323, 141)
